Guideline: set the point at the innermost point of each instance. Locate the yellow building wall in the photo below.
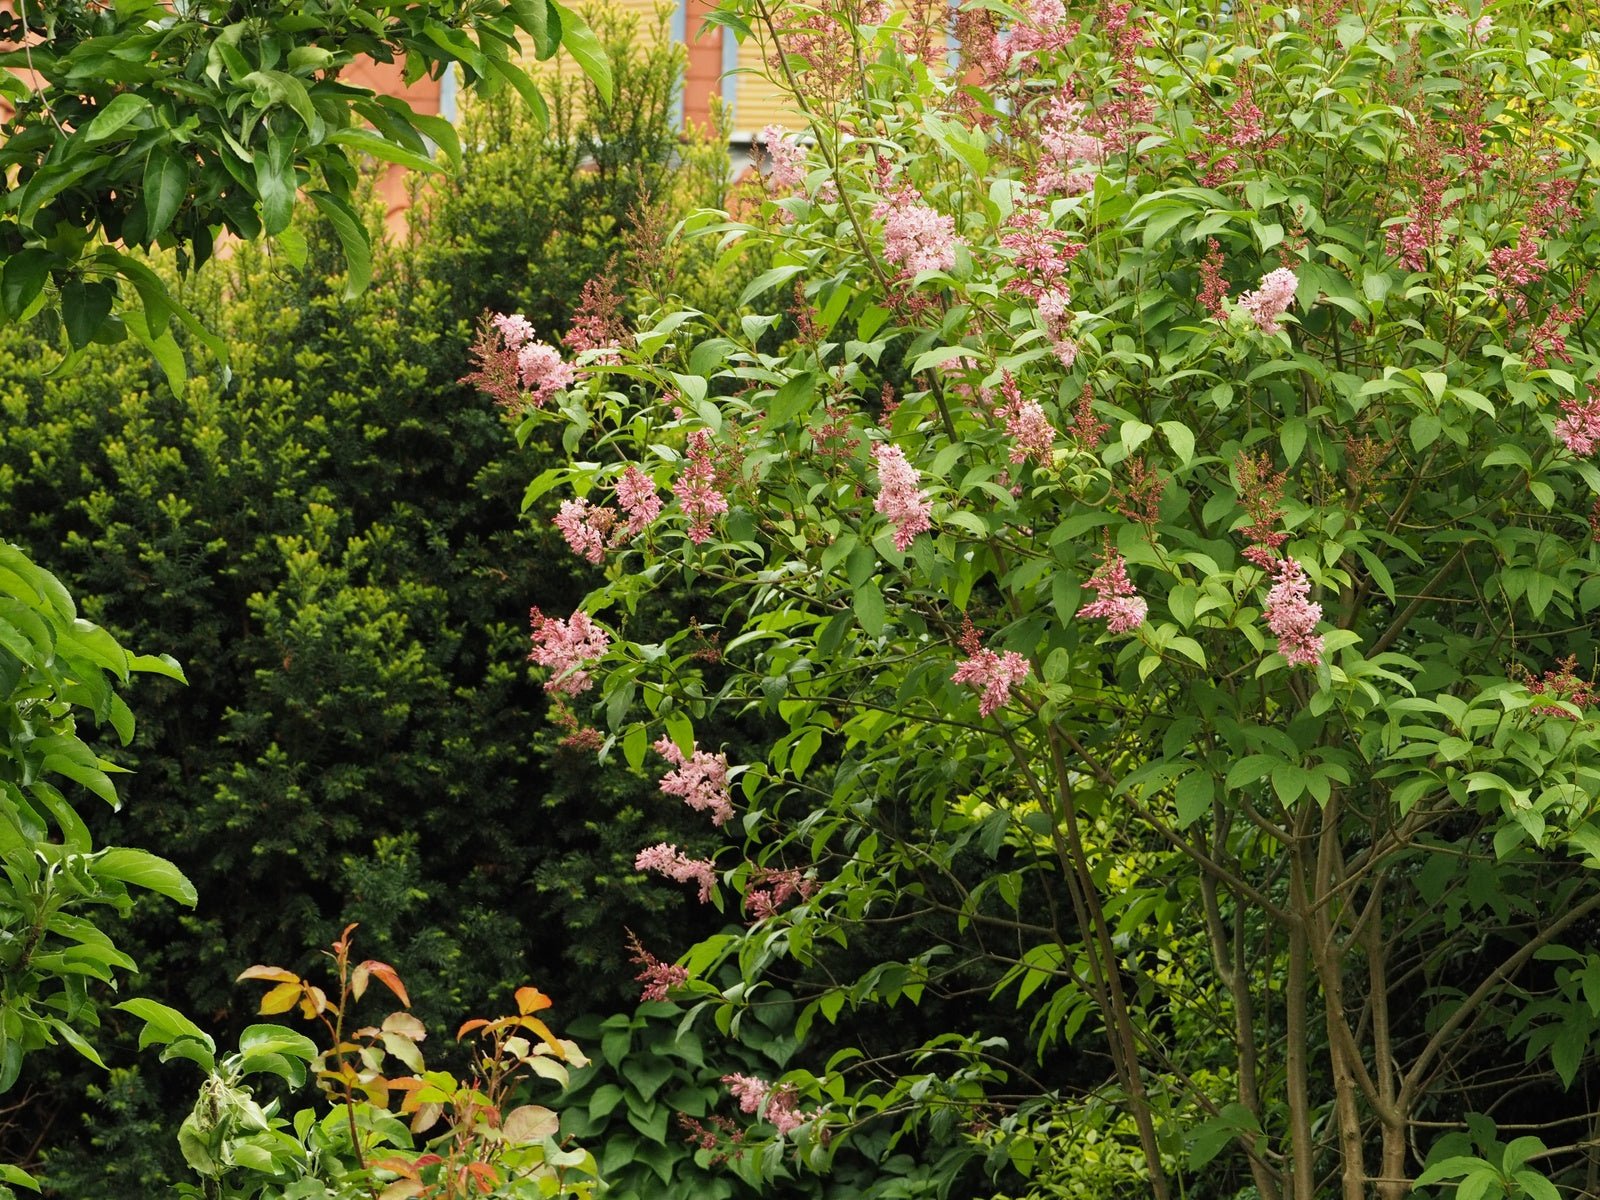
(757, 102)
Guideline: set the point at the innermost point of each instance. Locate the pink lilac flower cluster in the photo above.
(1562, 684)
(696, 488)
(1027, 425)
(586, 527)
(1292, 616)
(564, 647)
(787, 159)
(636, 494)
(1579, 429)
(592, 529)
(659, 978)
(1213, 287)
(1115, 120)
(666, 859)
(1271, 299)
(1118, 600)
(1043, 29)
(597, 325)
(899, 498)
(1055, 310)
(1072, 151)
(701, 779)
(1412, 238)
(782, 1103)
(1242, 128)
(916, 238)
(994, 675)
(509, 362)
(770, 889)
(1261, 492)
(1042, 254)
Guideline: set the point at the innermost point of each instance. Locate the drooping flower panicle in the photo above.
(899, 497)
(994, 675)
(696, 488)
(1271, 300)
(565, 647)
(1118, 600)
(666, 859)
(701, 780)
(1293, 616)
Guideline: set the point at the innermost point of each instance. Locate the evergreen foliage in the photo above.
(328, 537)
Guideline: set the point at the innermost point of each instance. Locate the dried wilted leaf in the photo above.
(530, 1123)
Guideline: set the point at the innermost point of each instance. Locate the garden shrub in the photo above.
(1217, 566)
(327, 535)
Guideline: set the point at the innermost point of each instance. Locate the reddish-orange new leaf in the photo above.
(483, 1175)
(386, 975)
(280, 999)
(475, 1023)
(398, 1165)
(532, 1000)
(278, 974)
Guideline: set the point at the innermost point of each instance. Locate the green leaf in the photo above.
(76, 1040)
(124, 107)
(585, 48)
(16, 1175)
(84, 307)
(276, 183)
(541, 22)
(518, 78)
(382, 148)
(163, 1024)
(869, 608)
(1181, 438)
(166, 179)
(283, 88)
(1194, 794)
(353, 240)
(25, 273)
(143, 869)
(157, 664)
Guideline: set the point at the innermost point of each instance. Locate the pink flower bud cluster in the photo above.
(787, 158)
(782, 1103)
(994, 675)
(598, 324)
(658, 977)
(1032, 435)
(1293, 616)
(701, 779)
(666, 859)
(916, 238)
(592, 529)
(586, 528)
(564, 647)
(771, 889)
(1271, 300)
(1579, 429)
(1118, 600)
(898, 496)
(696, 488)
(1563, 684)
(1072, 150)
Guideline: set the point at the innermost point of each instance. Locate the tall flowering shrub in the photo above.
(1151, 499)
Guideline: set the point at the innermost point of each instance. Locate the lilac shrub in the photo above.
(1162, 534)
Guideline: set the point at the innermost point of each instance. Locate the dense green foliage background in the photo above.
(328, 535)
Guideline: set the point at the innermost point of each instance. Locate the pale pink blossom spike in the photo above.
(899, 498)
